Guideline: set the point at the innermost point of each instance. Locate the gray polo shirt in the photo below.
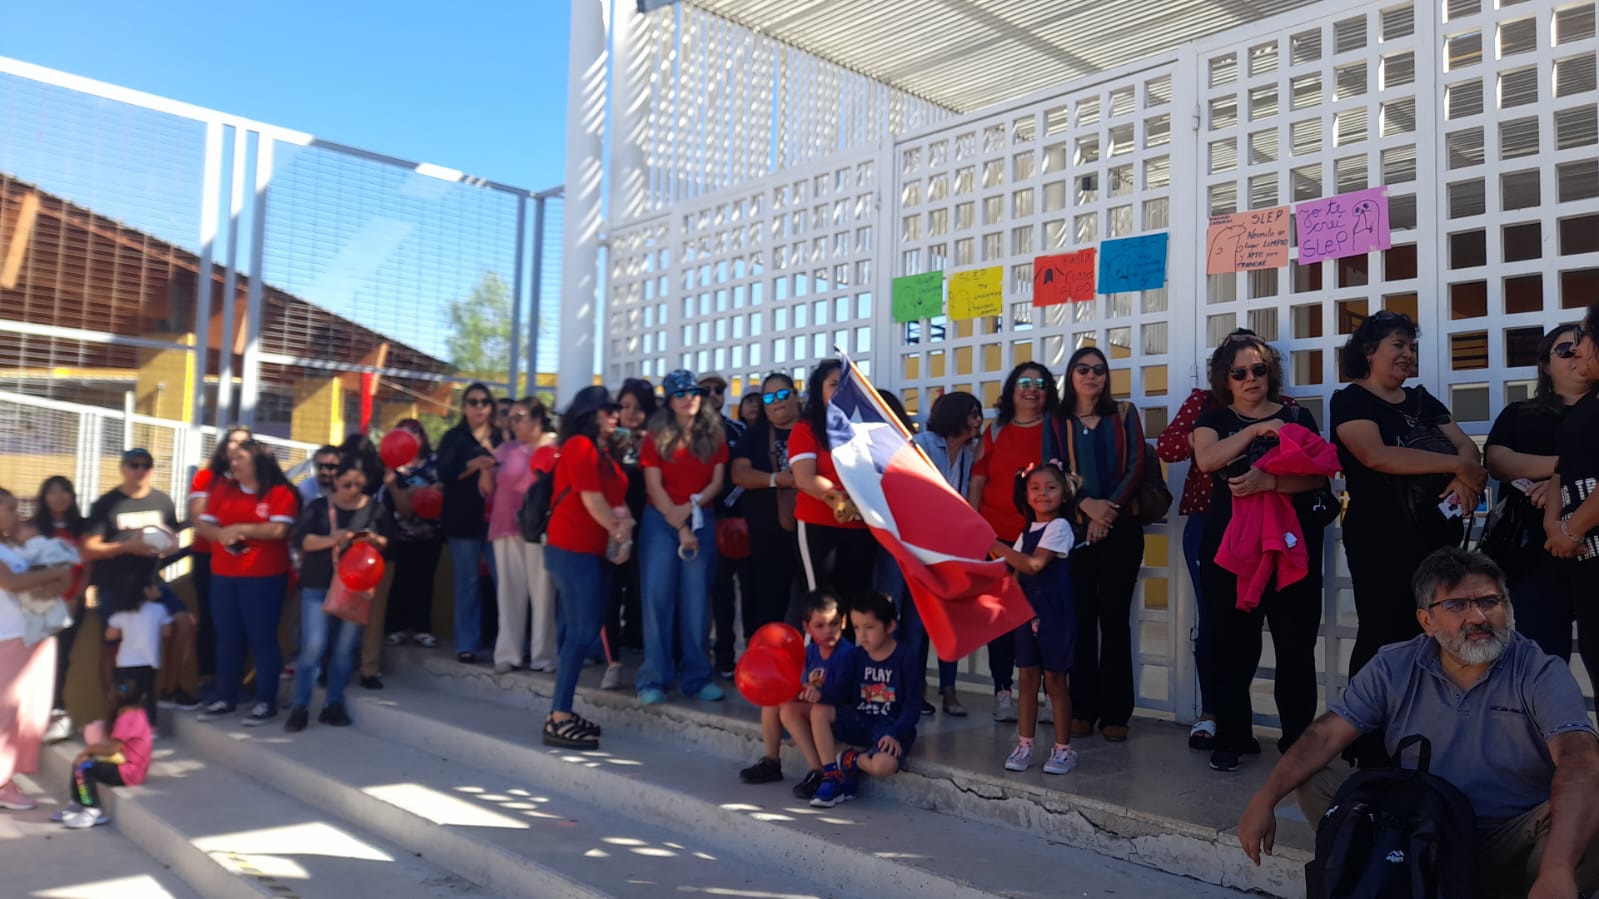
(1491, 741)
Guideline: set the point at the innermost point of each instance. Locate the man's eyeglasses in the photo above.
(714, 390)
(1084, 369)
(688, 392)
(327, 466)
(1457, 606)
(1565, 349)
(479, 401)
(139, 466)
(1259, 370)
(776, 396)
(1030, 384)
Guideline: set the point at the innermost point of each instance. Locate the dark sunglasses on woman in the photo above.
(1030, 384)
(776, 396)
(1259, 370)
(692, 391)
(1084, 369)
(479, 401)
(1565, 349)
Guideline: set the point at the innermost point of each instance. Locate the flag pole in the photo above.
(877, 400)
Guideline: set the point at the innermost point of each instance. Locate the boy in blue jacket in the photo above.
(875, 704)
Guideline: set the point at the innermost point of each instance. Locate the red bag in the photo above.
(732, 538)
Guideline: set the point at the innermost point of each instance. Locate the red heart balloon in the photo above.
(427, 502)
(361, 567)
(767, 677)
(783, 638)
(398, 447)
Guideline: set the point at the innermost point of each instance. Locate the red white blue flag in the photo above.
(941, 543)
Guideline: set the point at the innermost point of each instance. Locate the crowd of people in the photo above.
(671, 525)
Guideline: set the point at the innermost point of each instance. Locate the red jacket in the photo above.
(1264, 539)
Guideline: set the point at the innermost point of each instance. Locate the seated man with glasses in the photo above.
(1507, 724)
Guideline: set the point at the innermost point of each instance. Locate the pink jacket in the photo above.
(1264, 539)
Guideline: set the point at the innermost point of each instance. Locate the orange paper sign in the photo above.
(1247, 241)
(1066, 278)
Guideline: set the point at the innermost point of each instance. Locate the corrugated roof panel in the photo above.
(967, 54)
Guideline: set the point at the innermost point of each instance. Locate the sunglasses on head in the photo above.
(776, 396)
(479, 401)
(1565, 349)
(1083, 368)
(1030, 384)
(1259, 370)
(687, 392)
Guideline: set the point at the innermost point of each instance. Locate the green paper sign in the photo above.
(916, 297)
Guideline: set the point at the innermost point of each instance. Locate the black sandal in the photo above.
(588, 725)
(568, 734)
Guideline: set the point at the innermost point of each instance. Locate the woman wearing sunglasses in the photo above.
(1246, 378)
(684, 459)
(1411, 474)
(466, 466)
(1103, 443)
(1571, 510)
(761, 467)
(1012, 442)
(1522, 450)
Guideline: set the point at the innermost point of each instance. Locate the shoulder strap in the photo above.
(1071, 445)
(333, 526)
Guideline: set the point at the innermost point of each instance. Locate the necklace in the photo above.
(1028, 423)
(1248, 420)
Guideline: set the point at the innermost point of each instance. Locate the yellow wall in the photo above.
(166, 379)
(318, 411)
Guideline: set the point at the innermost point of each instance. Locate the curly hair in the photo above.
(1007, 393)
(1221, 366)
(1354, 357)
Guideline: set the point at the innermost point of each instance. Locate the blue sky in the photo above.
(478, 86)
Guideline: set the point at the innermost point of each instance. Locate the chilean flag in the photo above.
(941, 544)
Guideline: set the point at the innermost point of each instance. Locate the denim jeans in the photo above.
(465, 553)
(314, 627)
(246, 610)
(1193, 534)
(675, 590)
(582, 590)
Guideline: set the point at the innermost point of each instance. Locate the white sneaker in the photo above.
(542, 666)
(65, 811)
(613, 676)
(1046, 712)
(503, 667)
(1004, 706)
(1061, 760)
(85, 818)
(218, 709)
(259, 715)
(60, 727)
(1020, 758)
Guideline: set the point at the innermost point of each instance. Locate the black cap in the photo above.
(138, 452)
(590, 399)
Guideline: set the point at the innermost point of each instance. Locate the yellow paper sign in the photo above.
(977, 293)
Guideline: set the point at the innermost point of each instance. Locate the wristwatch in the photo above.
(772, 481)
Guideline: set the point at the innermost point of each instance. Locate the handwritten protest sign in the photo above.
(1247, 241)
(1066, 278)
(1133, 263)
(915, 297)
(978, 292)
(1346, 225)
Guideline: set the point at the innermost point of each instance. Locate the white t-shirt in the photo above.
(1058, 536)
(141, 634)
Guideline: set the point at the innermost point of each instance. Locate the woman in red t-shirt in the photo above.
(589, 532)
(684, 456)
(1014, 441)
(836, 550)
(205, 638)
(247, 519)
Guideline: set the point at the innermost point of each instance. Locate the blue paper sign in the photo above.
(1133, 263)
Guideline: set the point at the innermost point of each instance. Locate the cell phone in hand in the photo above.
(1451, 507)
(1525, 485)
(1237, 468)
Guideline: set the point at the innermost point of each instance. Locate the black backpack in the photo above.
(533, 516)
(1392, 832)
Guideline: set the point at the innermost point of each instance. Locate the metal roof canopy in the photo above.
(968, 54)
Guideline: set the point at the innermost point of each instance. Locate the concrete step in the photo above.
(520, 836)
(898, 850)
(42, 859)
(1103, 807)
(229, 837)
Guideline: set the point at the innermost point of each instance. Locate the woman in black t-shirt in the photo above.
(760, 467)
(1522, 446)
(1573, 522)
(1246, 374)
(466, 465)
(1402, 456)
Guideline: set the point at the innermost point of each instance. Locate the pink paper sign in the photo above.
(1346, 225)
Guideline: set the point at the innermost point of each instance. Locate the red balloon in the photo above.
(399, 447)
(766, 676)
(427, 502)
(361, 567)
(783, 638)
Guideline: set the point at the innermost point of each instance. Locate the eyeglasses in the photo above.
(691, 391)
(479, 401)
(327, 466)
(139, 466)
(1565, 349)
(1456, 606)
(1030, 384)
(776, 396)
(713, 389)
(519, 416)
(1259, 370)
(1085, 369)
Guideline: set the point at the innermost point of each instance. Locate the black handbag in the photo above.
(1507, 531)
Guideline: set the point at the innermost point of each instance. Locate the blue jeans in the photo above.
(582, 591)
(1193, 535)
(314, 627)
(246, 611)
(465, 552)
(888, 578)
(675, 590)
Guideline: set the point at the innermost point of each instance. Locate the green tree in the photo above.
(479, 344)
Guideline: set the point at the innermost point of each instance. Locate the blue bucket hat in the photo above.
(681, 379)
